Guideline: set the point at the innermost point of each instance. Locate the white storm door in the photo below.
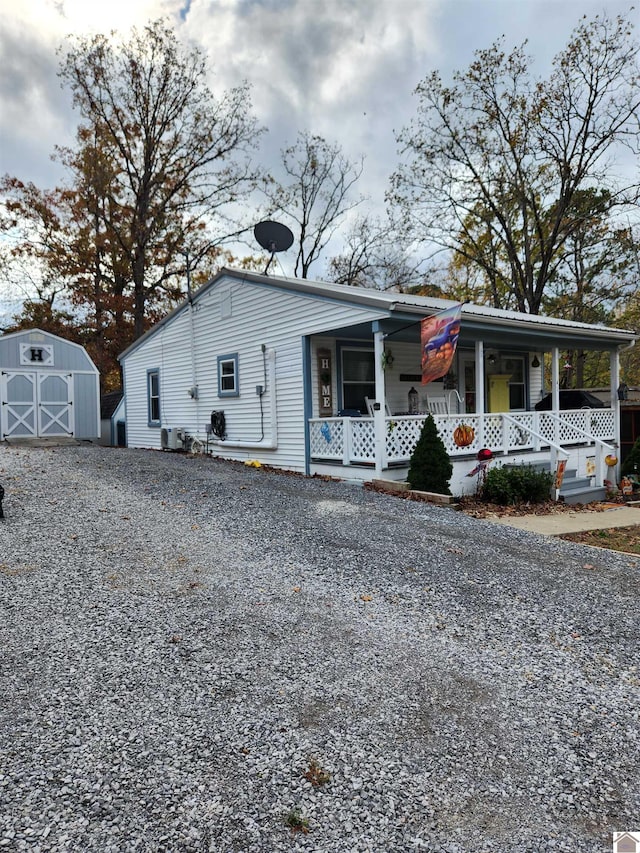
(18, 416)
(55, 404)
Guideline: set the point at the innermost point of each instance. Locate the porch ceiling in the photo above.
(360, 331)
(407, 329)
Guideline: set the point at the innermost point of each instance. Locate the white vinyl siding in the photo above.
(262, 316)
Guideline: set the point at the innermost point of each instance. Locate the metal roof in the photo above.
(426, 305)
(393, 304)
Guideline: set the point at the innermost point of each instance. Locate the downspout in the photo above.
(268, 442)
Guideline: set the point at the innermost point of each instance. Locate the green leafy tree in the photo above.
(430, 468)
(629, 317)
(592, 281)
(494, 163)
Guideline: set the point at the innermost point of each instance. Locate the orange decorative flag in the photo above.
(439, 336)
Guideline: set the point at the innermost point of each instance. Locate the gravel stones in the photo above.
(182, 638)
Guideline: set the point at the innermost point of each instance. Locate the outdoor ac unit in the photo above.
(182, 438)
(169, 438)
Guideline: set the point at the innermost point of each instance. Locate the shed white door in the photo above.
(35, 405)
(55, 405)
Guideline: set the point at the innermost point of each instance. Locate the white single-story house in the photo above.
(325, 379)
(49, 387)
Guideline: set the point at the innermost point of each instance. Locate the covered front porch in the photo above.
(487, 400)
(585, 437)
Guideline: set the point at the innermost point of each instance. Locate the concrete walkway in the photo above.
(556, 524)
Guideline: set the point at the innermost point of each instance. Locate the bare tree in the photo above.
(357, 263)
(374, 255)
(315, 194)
(493, 162)
(179, 157)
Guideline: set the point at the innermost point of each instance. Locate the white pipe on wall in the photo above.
(267, 443)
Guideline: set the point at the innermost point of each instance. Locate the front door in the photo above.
(35, 405)
(498, 392)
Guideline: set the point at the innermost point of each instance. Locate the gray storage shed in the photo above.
(49, 387)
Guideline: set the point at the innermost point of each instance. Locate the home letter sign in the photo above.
(325, 398)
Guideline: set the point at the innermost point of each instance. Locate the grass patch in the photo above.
(296, 821)
(615, 538)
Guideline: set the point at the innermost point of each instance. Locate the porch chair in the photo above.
(438, 405)
(369, 403)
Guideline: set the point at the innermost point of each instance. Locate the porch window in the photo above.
(468, 363)
(228, 375)
(153, 397)
(358, 378)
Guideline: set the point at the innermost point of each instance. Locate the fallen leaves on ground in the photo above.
(625, 539)
(476, 508)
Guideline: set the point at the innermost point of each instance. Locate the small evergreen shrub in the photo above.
(430, 469)
(518, 484)
(631, 464)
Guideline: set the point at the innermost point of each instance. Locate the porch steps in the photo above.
(574, 490)
(579, 490)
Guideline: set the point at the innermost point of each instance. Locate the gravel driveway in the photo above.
(184, 641)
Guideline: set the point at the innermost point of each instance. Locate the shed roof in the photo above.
(109, 403)
(35, 336)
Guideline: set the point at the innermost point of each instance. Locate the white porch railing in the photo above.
(601, 447)
(351, 441)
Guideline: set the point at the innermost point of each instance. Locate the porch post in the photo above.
(480, 405)
(379, 409)
(555, 390)
(614, 373)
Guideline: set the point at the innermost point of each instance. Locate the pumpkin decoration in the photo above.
(463, 435)
(611, 460)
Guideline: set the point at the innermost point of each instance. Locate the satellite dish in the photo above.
(274, 237)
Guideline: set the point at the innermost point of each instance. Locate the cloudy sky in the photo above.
(344, 69)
